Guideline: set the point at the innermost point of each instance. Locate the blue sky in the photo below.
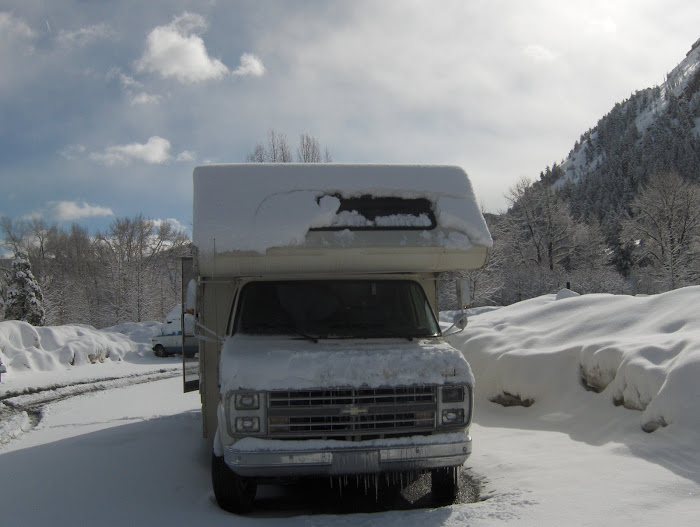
(106, 107)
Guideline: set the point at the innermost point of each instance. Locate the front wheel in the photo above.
(444, 484)
(233, 493)
(160, 351)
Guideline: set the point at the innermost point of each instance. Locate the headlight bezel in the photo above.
(245, 413)
(455, 404)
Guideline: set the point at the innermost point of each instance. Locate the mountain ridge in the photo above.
(653, 131)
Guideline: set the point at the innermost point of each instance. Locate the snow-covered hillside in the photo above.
(596, 371)
(666, 107)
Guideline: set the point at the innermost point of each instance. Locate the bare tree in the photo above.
(664, 223)
(15, 234)
(130, 251)
(309, 150)
(276, 150)
(542, 223)
(540, 247)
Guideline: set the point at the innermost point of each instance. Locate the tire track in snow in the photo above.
(21, 411)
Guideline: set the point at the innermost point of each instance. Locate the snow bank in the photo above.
(25, 348)
(258, 206)
(640, 352)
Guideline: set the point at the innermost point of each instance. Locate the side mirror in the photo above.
(460, 321)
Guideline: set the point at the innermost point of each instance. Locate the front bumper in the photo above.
(360, 459)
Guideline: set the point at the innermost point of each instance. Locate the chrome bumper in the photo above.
(350, 460)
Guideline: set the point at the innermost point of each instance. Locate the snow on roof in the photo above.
(255, 207)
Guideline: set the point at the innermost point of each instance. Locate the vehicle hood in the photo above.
(279, 363)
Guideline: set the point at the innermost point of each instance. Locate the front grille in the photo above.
(352, 414)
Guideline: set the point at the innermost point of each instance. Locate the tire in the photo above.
(160, 351)
(444, 484)
(233, 493)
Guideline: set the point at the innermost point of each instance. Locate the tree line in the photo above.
(540, 246)
(128, 272)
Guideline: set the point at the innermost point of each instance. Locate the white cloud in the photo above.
(155, 151)
(186, 156)
(72, 152)
(250, 65)
(144, 98)
(133, 89)
(177, 51)
(174, 223)
(85, 35)
(597, 26)
(125, 80)
(539, 53)
(13, 28)
(74, 210)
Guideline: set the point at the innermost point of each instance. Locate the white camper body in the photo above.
(316, 306)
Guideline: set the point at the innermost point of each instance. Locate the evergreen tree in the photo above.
(24, 298)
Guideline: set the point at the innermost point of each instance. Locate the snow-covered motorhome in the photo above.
(320, 350)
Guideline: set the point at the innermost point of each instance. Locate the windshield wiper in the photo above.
(305, 336)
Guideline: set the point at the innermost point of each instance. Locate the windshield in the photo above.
(336, 309)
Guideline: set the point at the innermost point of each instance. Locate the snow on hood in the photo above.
(258, 206)
(267, 363)
(642, 353)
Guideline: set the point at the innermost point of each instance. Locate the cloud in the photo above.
(125, 80)
(13, 28)
(177, 51)
(133, 89)
(250, 66)
(598, 26)
(85, 35)
(174, 223)
(539, 53)
(186, 156)
(144, 98)
(72, 152)
(68, 211)
(74, 210)
(155, 151)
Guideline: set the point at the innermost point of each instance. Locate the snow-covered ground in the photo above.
(134, 454)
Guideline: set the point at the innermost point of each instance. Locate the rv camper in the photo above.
(316, 310)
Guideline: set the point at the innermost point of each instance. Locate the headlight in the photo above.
(453, 416)
(247, 401)
(247, 424)
(245, 412)
(453, 394)
(454, 406)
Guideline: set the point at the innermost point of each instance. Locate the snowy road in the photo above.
(135, 456)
